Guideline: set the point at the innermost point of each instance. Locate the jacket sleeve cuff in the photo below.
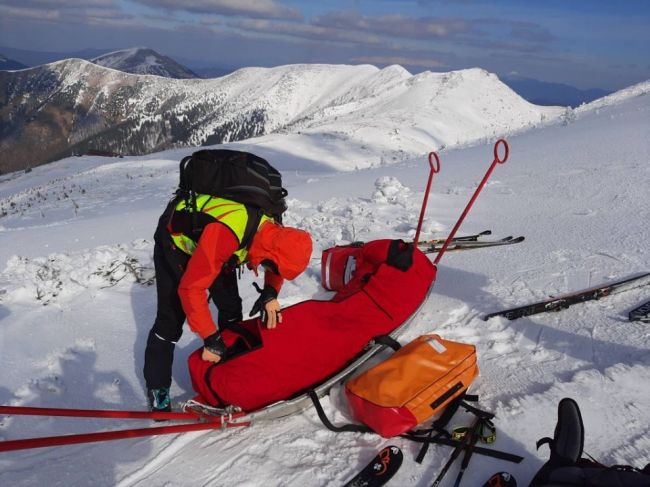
(273, 280)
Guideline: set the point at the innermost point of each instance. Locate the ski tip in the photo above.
(501, 479)
(395, 454)
(380, 469)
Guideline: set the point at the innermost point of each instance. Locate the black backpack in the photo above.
(235, 175)
(567, 468)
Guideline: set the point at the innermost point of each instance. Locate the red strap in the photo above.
(104, 413)
(12, 445)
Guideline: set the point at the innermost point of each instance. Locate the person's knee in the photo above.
(164, 335)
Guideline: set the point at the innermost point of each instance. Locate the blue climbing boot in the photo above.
(159, 400)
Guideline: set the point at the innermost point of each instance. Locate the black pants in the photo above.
(170, 264)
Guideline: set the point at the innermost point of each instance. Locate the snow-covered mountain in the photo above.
(142, 60)
(75, 304)
(73, 106)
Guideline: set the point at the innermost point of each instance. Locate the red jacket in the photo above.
(215, 247)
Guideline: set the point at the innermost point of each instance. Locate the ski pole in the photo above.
(497, 160)
(434, 169)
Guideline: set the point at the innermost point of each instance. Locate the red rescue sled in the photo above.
(317, 339)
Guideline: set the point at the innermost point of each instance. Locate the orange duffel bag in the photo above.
(416, 383)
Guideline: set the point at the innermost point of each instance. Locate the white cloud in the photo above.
(249, 8)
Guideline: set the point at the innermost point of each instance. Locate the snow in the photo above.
(76, 302)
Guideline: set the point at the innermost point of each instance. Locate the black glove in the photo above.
(267, 294)
(214, 343)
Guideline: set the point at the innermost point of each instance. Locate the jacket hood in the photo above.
(289, 248)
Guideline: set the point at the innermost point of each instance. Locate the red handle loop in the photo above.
(435, 168)
(496, 151)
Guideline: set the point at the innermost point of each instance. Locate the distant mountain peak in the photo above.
(546, 93)
(7, 64)
(144, 60)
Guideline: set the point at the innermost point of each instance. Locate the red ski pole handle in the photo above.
(497, 160)
(496, 151)
(435, 168)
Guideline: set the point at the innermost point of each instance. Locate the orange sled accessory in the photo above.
(413, 385)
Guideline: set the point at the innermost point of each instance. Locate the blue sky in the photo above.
(589, 44)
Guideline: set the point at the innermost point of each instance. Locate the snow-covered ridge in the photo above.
(639, 89)
(72, 106)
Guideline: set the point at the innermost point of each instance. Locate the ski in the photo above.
(468, 245)
(641, 313)
(380, 469)
(466, 238)
(501, 479)
(558, 303)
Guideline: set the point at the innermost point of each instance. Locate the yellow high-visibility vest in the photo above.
(228, 212)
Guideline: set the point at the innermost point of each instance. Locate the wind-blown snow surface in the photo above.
(76, 240)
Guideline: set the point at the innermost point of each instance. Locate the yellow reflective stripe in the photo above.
(185, 244)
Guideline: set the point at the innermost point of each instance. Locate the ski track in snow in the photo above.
(75, 305)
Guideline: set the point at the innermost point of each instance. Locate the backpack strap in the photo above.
(252, 222)
(183, 183)
(439, 425)
(352, 428)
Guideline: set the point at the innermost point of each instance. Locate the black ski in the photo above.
(468, 245)
(466, 238)
(380, 470)
(501, 479)
(641, 313)
(558, 303)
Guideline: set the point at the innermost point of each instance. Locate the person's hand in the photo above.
(273, 313)
(209, 356)
(213, 348)
(267, 296)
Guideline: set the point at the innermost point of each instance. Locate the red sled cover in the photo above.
(317, 338)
